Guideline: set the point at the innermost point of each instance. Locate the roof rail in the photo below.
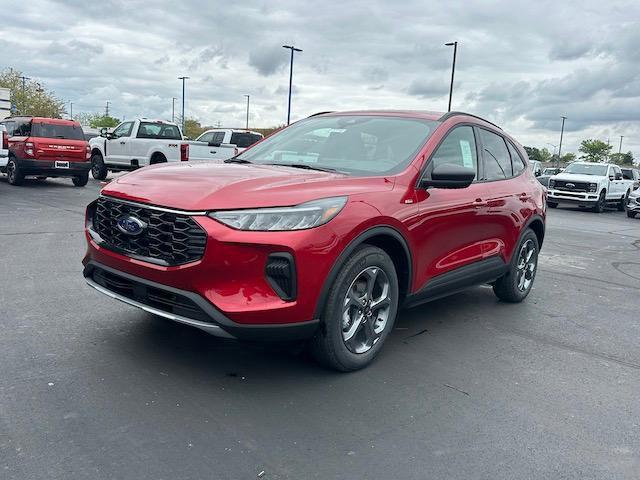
(319, 113)
(448, 115)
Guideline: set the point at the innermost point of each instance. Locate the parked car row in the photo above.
(49, 147)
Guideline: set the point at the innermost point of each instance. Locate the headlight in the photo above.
(593, 187)
(552, 183)
(300, 217)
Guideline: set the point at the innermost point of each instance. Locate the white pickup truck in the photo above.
(4, 147)
(588, 184)
(223, 143)
(141, 142)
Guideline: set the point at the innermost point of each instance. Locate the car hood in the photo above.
(575, 177)
(209, 186)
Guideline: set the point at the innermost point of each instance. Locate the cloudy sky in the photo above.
(521, 64)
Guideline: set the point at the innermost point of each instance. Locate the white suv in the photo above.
(4, 147)
(589, 184)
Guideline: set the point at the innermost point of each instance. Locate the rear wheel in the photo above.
(98, 168)
(602, 199)
(82, 180)
(623, 202)
(631, 214)
(552, 205)
(14, 174)
(361, 310)
(516, 284)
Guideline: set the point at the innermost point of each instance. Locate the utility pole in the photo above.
(106, 109)
(293, 49)
(71, 115)
(183, 81)
(620, 148)
(453, 69)
(247, 125)
(173, 109)
(560, 146)
(24, 100)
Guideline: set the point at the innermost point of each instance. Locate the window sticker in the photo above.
(467, 158)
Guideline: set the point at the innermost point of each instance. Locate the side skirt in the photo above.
(455, 281)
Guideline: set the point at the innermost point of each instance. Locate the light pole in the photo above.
(173, 109)
(453, 69)
(554, 149)
(71, 105)
(247, 126)
(183, 81)
(293, 49)
(560, 146)
(620, 148)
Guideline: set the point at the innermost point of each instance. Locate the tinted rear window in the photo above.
(158, 130)
(52, 130)
(244, 140)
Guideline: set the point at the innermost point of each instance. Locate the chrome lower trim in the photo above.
(207, 327)
(153, 207)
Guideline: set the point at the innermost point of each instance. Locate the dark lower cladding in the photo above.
(477, 273)
(186, 307)
(48, 168)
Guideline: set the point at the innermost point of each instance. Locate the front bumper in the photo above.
(48, 168)
(575, 198)
(633, 204)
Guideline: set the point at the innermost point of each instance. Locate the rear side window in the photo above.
(458, 148)
(517, 162)
(52, 130)
(627, 174)
(158, 130)
(495, 155)
(244, 139)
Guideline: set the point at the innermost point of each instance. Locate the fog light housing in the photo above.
(281, 275)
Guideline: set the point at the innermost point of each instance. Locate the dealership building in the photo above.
(5, 103)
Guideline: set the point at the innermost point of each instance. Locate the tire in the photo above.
(552, 205)
(14, 174)
(515, 285)
(99, 170)
(600, 204)
(631, 214)
(157, 158)
(622, 205)
(353, 333)
(82, 180)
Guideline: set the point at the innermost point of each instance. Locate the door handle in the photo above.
(524, 196)
(122, 143)
(213, 151)
(478, 202)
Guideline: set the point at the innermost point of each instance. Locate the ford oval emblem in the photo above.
(570, 185)
(131, 225)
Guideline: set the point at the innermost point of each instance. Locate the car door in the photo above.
(116, 146)
(449, 232)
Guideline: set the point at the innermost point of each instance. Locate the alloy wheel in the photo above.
(367, 305)
(526, 266)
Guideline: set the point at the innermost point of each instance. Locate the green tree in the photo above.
(594, 150)
(568, 158)
(34, 98)
(192, 128)
(101, 121)
(622, 158)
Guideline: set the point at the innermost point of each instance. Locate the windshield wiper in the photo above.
(305, 166)
(236, 160)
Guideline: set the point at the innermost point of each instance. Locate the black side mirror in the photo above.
(449, 176)
(612, 177)
(538, 173)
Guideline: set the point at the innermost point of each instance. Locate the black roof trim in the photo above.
(319, 113)
(448, 115)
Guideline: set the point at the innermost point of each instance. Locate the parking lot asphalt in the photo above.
(466, 387)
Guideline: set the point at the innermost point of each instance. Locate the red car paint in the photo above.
(443, 229)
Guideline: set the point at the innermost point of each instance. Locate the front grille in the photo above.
(168, 239)
(158, 298)
(574, 186)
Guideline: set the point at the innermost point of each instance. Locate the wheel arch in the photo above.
(157, 155)
(96, 150)
(536, 224)
(386, 238)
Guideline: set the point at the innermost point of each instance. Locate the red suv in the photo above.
(323, 230)
(46, 147)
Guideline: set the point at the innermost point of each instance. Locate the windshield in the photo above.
(587, 169)
(356, 144)
(53, 130)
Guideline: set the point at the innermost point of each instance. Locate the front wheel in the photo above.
(98, 168)
(631, 214)
(82, 180)
(360, 311)
(516, 284)
(602, 200)
(14, 174)
(622, 205)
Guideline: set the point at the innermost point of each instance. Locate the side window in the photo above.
(207, 137)
(458, 148)
(218, 137)
(124, 130)
(22, 129)
(495, 156)
(617, 172)
(517, 162)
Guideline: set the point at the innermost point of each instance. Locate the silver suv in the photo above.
(633, 203)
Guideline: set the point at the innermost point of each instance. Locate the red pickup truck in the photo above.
(46, 147)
